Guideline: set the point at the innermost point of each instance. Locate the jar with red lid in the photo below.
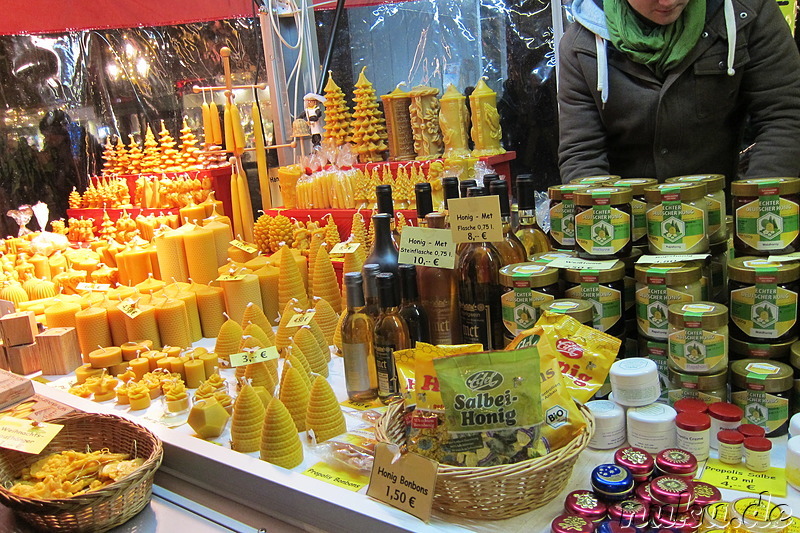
(570, 523)
(756, 453)
(643, 493)
(751, 430)
(693, 405)
(585, 503)
(676, 462)
(629, 511)
(723, 415)
(693, 433)
(706, 494)
(677, 521)
(672, 492)
(731, 446)
(637, 460)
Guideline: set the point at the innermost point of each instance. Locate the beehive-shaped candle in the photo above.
(324, 416)
(229, 339)
(326, 318)
(319, 336)
(144, 326)
(61, 314)
(199, 244)
(298, 360)
(280, 443)
(264, 395)
(291, 283)
(92, 327)
(254, 315)
(294, 395)
(284, 334)
(211, 307)
(337, 334)
(305, 340)
(261, 375)
(171, 253)
(173, 323)
(239, 293)
(222, 235)
(317, 242)
(248, 417)
(268, 277)
(325, 284)
(116, 322)
(254, 331)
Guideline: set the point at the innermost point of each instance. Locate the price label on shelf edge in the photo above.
(407, 483)
(475, 219)
(427, 247)
(301, 319)
(96, 287)
(261, 355)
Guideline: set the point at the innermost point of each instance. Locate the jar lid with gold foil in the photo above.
(686, 191)
(594, 180)
(615, 195)
(615, 273)
(717, 380)
(745, 270)
(714, 182)
(752, 187)
(769, 376)
(637, 185)
(528, 275)
(557, 192)
(704, 315)
(779, 351)
(673, 273)
(580, 310)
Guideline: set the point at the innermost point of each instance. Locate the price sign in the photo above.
(475, 219)
(737, 477)
(230, 277)
(26, 435)
(784, 258)
(345, 247)
(427, 247)
(661, 259)
(301, 319)
(261, 355)
(246, 248)
(581, 264)
(345, 479)
(97, 287)
(407, 483)
(130, 309)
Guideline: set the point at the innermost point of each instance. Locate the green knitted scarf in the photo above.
(658, 47)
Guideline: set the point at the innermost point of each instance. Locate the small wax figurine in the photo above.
(313, 114)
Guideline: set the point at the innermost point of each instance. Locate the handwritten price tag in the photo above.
(246, 248)
(24, 436)
(661, 259)
(581, 264)
(737, 477)
(301, 319)
(475, 219)
(262, 355)
(427, 247)
(97, 287)
(345, 247)
(130, 309)
(230, 277)
(407, 483)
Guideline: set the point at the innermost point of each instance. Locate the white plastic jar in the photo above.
(609, 425)
(634, 382)
(731, 447)
(652, 427)
(692, 433)
(757, 454)
(723, 415)
(793, 462)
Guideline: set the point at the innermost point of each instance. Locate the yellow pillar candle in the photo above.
(236, 209)
(261, 158)
(189, 298)
(91, 324)
(58, 264)
(195, 372)
(83, 372)
(173, 323)
(486, 131)
(216, 127)
(238, 293)
(222, 236)
(41, 267)
(116, 322)
(453, 121)
(268, 282)
(176, 366)
(152, 357)
(208, 132)
(172, 351)
(210, 362)
(61, 314)
(164, 363)
(144, 326)
(140, 366)
(172, 256)
(230, 137)
(153, 254)
(150, 285)
(199, 244)
(398, 124)
(424, 112)
(131, 350)
(116, 370)
(211, 306)
(105, 357)
(238, 255)
(137, 266)
(147, 344)
(246, 206)
(192, 214)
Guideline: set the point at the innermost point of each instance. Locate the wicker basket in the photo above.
(496, 492)
(97, 510)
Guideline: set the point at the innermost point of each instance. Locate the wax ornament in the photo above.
(138, 396)
(280, 443)
(248, 417)
(325, 285)
(424, 112)
(294, 395)
(254, 315)
(326, 318)
(291, 283)
(228, 340)
(324, 416)
(368, 127)
(176, 398)
(337, 114)
(305, 340)
(454, 121)
(208, 418)
(398, 124)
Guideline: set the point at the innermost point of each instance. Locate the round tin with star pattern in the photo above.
(612, 482)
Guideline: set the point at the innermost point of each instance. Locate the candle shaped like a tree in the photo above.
(109, 157)
(121, 157)
(425, 122)
(486, 132)
(151, 155)
(134, 156)
(169, 155)
(337, 114)
(369, 127)
(190, 156)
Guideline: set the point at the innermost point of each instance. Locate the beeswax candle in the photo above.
(222, 236)
(190, 299)
(172, 256)
(116, 322)
(173, 323)
(140, 366)
(82, 373)
(137, 266)
(261, 157)
(398, 124)
(453, 120)
(486, 131)
(144, 326)
(131, 350)
(199, 243)
(211, 306)
(268, 277)
(177, 366)
(192, 214)
(210, 363)
(150, 285)
(105, 357)
(61, 314)
(91, 324)
(246, 207)
(195, 372)
(216, 127)
(236, 208)
(238, 293)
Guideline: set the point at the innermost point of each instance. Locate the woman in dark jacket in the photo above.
(660, 88)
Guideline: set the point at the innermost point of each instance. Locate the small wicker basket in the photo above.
(97, 510)
(496, 492)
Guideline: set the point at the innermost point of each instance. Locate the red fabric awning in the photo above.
(56, 16)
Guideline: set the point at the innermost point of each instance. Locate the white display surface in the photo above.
(314, 505)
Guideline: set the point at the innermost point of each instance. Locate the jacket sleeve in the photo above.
(582, 136)
(771, 87)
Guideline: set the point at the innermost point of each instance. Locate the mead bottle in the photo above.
(360, 371)
(529, 233)
(410, 308)
(511, 248)
(391, 334)
(438, 292)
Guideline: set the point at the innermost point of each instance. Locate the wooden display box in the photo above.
(59, 351)
(18, 328)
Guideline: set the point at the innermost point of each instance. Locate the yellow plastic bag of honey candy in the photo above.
(404, 361)
(584, 354)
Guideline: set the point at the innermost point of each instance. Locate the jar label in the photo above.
(521, 308)
(630, 292)
(673, 226)
(762, 409)
(603, 230)
(697, 350)
(714, 210)
(606, 302)
(769, 222)
(562, 222)
(679, 394)
(639, 213)
(652, 302)
(764, 311)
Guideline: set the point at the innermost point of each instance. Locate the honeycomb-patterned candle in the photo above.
(229, 339)
(238, 293)
(91, 324)
(150, 285)
(190, 299)
(326, 318)
(211, 306)
(222, 235)
(202, 264)
(324, 416)
(268, 277)
(116, 322)
(253, 330)
(253, 314)
(280, 443)
(294, 395)
(283, 337)
(298, 360)
(248, 417)
(61, 314)
(262, 375)
(305, 340)
(173, 323)
(325, 284)
(172, 256)
(144, 326)
(320, 338)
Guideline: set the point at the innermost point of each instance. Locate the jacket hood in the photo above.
(591, 16)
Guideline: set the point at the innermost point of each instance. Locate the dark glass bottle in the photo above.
(529, 232)
(438, 290)
(358, 347)
(422, 191)
(511, 248)
(464, 185)
(384, 247)
(369, 274)
(410, 308)
(385, 204)
(449, 190)
(479, 291)
(391, 334)
(488, 179)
